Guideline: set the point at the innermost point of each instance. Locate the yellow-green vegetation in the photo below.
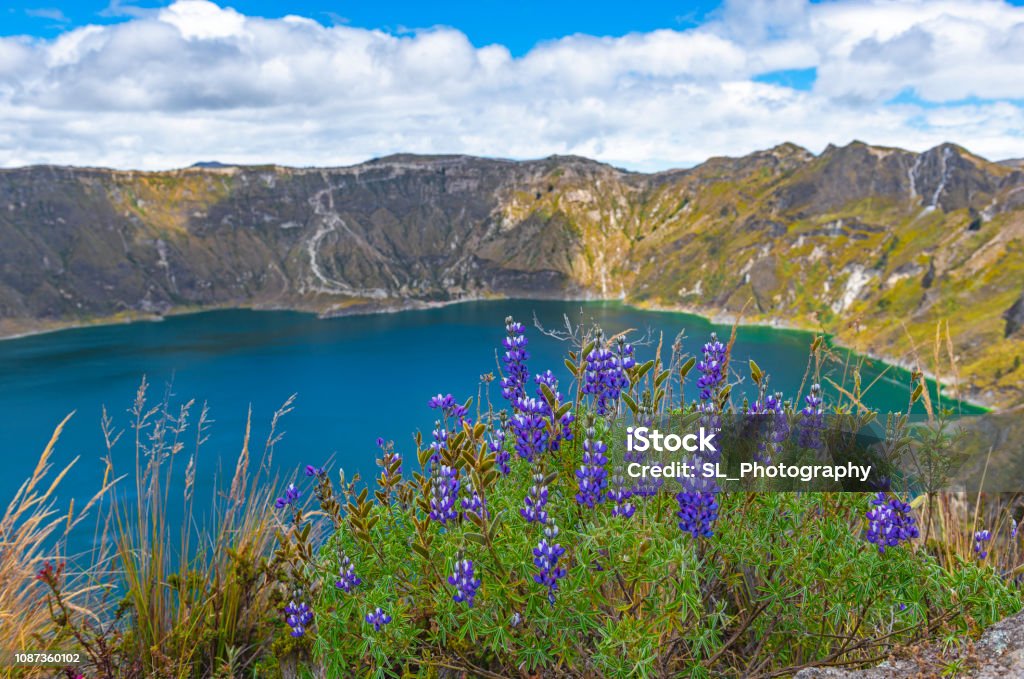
(165, 202)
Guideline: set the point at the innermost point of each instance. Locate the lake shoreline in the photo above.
(371, 308)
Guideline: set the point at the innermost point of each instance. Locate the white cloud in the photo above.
(195, 81)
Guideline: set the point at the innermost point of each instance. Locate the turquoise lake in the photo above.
(355, 378)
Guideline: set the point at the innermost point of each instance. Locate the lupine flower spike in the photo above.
(496, 445)
(529, 424)
(464, 582)
(291, 496)
(712, 378)
(298, 617)
(440, 442)
(545, 556)
(444, 488)
(981, 539)
(605, 373)
(347, 578)
(378, 618)
(620, 494)
(890, 522)
(471, 500)
(772, 415)
(535, 500)
(592, 475)
(513, 384)
(712, 368)
(813, 421)
(698, 510)
(449, 407)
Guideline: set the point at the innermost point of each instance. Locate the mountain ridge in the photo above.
(844, 241)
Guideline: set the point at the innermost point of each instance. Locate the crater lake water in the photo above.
(355, 378)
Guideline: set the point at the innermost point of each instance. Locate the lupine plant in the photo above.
(541, 575)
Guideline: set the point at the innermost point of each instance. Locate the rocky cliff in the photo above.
(875, 245)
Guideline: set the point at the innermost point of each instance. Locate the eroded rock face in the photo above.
(1014, 316)
(998, 654)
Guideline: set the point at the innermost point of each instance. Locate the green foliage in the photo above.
(787, 581)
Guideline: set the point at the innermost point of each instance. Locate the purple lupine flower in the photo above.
(711, 368)
(380, 441)
(298, 617)
(513, 384)
(314, 471)
(1013, 529)
(545, 557)
(535, 500)
(459, 412)
(813, 421)
(444, 488)
(698, 501)
(445, 402)
(378, 618)
(981, 539)
(387, 458)
(599, 364)
(592, 475)
(698, 510)
(548, 379)
(771, 413)
(890, 522)
(347, 578)
(496, 444)
(464, 582)
(530, 428)
(605, 374)
(710, 382)
(291, 496)
(449, 407)
(440, 442)
(620, 495)
(624, 360)
(471, 500)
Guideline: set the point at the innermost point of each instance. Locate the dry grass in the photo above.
(954, 518)
(32, 531)
(201, 596)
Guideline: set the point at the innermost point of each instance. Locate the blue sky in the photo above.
(642, 85)
(517, 24)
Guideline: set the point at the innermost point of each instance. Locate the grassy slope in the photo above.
(716, 242)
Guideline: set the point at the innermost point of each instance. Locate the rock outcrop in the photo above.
(998, 654)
